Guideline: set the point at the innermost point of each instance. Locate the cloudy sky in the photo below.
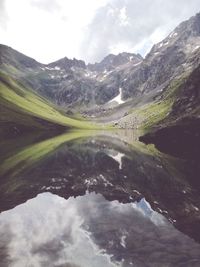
(89, 29)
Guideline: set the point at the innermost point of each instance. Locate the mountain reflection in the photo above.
(129, 201)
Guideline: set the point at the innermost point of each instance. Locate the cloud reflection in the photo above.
(91, 231)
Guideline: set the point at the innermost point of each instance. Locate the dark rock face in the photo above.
(71, 83)
(14, 130)
(179, 133)
(189, 95)
(182, 140)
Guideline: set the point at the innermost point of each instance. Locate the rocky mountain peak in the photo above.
(190, 27)
(66, 63)
(9, 56)
(185, 37)
(126, 75)
(112, 61)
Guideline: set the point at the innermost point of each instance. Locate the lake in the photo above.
(97, 199)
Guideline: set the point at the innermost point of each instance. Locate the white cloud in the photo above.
(134, 24)
(3, 15)
(48, 30)
(124, 20)
(47, 36)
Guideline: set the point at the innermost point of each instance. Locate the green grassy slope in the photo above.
(33, 153)
(151, 114)
(177, 131)
(179, 103)
(19, 105)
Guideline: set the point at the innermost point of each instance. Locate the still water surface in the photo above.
(96, 200)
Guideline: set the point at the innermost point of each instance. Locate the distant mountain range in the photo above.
(124, 89)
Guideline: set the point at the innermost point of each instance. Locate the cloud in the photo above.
(3, 14)
(50, 6)
(48, 30)
(133, 25)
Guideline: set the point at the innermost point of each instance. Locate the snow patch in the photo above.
(196, 47)
(87, 74)
(118, 158)
(104, 180)
(98, 180)
(48, 68)
(91, 74)
(163, 44)
(137, 192)
(94, 76)
(123, 241)
(173, 34)
(118, 98)
(51, 187)
(91, 181)
(137, 63)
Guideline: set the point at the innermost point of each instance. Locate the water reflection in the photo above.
(140, 196)
(91, 231)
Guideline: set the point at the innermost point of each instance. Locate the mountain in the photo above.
(111, 61)
(72, 83)
(34, 166)
(68, 82)
(11, 57)
(177, 53)
(178, 133)
(24, 111)
(124, 89)
(66, 63)
(150, 87)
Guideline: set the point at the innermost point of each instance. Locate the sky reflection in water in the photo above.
(91, 231)
(116, 226)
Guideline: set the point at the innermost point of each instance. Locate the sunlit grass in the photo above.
(24, 100)
(151, 114)
(31, 154)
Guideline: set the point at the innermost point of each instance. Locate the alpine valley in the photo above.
(158, 94)
(100, 163)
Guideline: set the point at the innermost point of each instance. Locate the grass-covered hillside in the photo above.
(22, 110)
(173, 123)
(179, 100)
